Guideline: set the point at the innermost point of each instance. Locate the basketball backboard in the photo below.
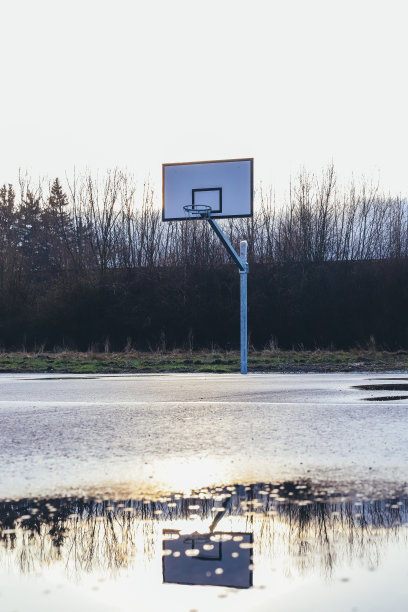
(227, 186)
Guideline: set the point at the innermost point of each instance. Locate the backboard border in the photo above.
(211, 161)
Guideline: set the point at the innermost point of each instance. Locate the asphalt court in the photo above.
(132, 434)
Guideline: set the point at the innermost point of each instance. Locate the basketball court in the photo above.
(190, 441)
(204, 491)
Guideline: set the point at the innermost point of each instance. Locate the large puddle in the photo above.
(238, 547)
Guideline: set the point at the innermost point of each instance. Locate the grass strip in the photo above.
(71, 362)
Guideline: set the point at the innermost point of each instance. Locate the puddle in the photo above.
(383, 387)
(385, 398)
(233, 547)
(388, 378)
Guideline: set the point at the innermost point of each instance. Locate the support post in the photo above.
(241, 262)
(243, 275)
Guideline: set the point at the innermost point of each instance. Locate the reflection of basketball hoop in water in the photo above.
(200, 211)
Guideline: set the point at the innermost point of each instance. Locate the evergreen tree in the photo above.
(7, 232)
(57, 228)
(29, 229)
(57, 200)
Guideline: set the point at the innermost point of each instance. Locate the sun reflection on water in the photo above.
(178, 474)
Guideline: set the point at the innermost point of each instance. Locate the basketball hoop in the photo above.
(220, 189)
(198, 210)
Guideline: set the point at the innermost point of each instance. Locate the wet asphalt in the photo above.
(142, 434)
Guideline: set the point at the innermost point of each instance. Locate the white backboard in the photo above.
(226, 185)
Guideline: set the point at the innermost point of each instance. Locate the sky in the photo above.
(129, 83)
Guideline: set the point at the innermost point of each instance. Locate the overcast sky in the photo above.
(134, 83)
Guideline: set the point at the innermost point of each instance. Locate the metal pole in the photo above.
(241, 262)
(243, 275)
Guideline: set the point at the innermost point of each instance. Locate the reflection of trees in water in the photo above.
(313, 532)
(329, 534)
(84, 535)
(288, 522)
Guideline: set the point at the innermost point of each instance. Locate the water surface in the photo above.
(240, 547)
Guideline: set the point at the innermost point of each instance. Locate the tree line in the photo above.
(90, 262)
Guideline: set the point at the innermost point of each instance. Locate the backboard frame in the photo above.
(217, 214)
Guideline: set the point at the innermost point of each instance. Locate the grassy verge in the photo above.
(201, 361)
